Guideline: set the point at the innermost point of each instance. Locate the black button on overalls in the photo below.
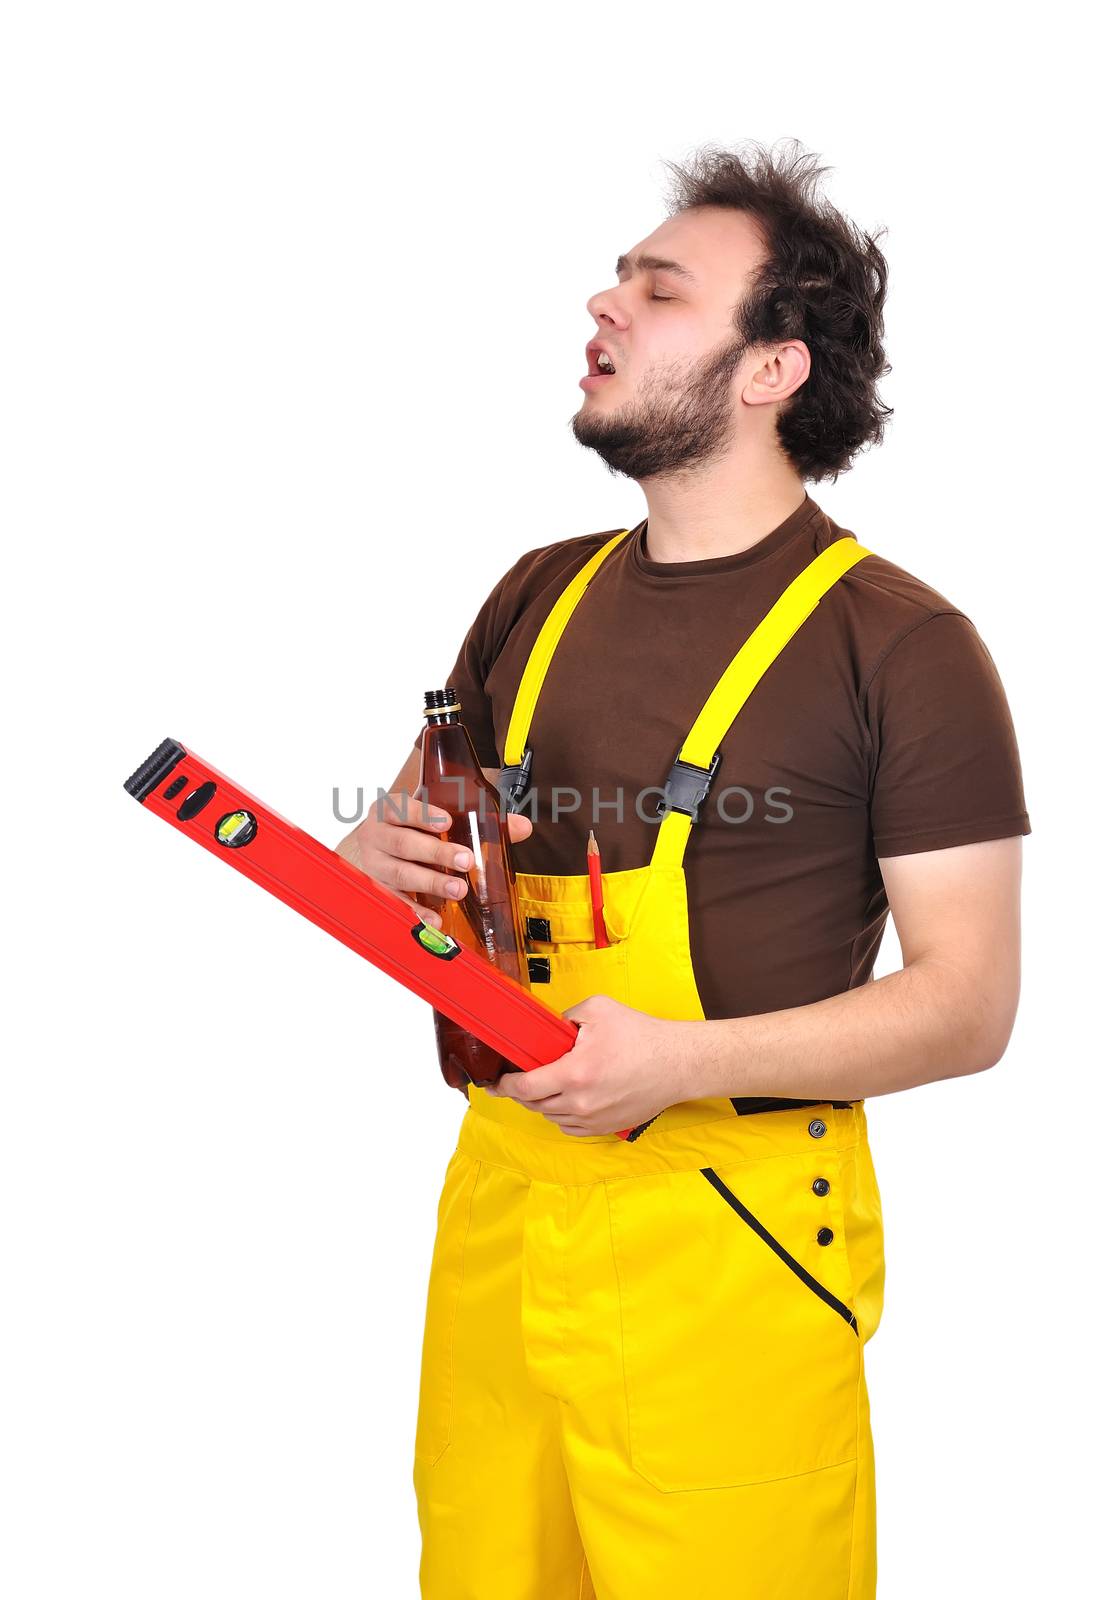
(816, 1128)
(821, 1186)
(825, 1235)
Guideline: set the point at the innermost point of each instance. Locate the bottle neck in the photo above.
(447, 750)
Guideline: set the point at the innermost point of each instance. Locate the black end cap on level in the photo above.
(152, 771)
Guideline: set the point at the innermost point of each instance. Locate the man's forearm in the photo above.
(924, 1023)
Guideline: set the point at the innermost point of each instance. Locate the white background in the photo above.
(294, 308)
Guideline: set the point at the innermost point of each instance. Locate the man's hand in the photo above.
(398, 844)
(623, 1068)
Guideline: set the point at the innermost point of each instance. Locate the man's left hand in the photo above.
(623, 1068)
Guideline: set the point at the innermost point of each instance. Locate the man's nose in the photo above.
(603, 307)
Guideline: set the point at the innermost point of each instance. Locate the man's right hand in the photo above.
(402, 851)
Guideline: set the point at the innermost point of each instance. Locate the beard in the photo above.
(683, 420)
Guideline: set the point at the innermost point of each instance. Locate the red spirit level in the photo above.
(232, 824)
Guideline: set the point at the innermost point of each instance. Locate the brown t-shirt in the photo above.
(882, 729)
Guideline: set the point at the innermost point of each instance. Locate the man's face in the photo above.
(671, 402)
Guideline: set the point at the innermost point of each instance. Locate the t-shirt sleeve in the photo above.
(945, 763)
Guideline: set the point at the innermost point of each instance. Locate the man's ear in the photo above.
(776, 373)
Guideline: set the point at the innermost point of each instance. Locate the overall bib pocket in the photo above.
(574, 974)
(436, 1377)
(740, 1348)
(565, 965)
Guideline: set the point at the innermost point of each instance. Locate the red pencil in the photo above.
(597, 904)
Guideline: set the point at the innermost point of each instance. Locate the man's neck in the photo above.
(697, 520)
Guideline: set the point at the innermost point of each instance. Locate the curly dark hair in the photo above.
(823, 281)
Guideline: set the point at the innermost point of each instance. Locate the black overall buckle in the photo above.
(687, 786)
(513, 780)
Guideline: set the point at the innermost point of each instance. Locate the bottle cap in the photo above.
(440, 700)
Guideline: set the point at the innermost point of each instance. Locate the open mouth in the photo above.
(601, 367)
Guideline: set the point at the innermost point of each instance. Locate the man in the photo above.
(643, 1367)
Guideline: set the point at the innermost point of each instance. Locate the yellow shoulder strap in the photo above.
(745, 671)
(535, 670)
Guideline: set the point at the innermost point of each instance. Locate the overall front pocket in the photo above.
(741, 1353)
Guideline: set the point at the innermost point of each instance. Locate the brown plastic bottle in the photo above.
(487, 918)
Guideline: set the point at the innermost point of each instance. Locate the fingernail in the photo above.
(462, 859)
(454, 887)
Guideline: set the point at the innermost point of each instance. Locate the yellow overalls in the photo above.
(642, 1373)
